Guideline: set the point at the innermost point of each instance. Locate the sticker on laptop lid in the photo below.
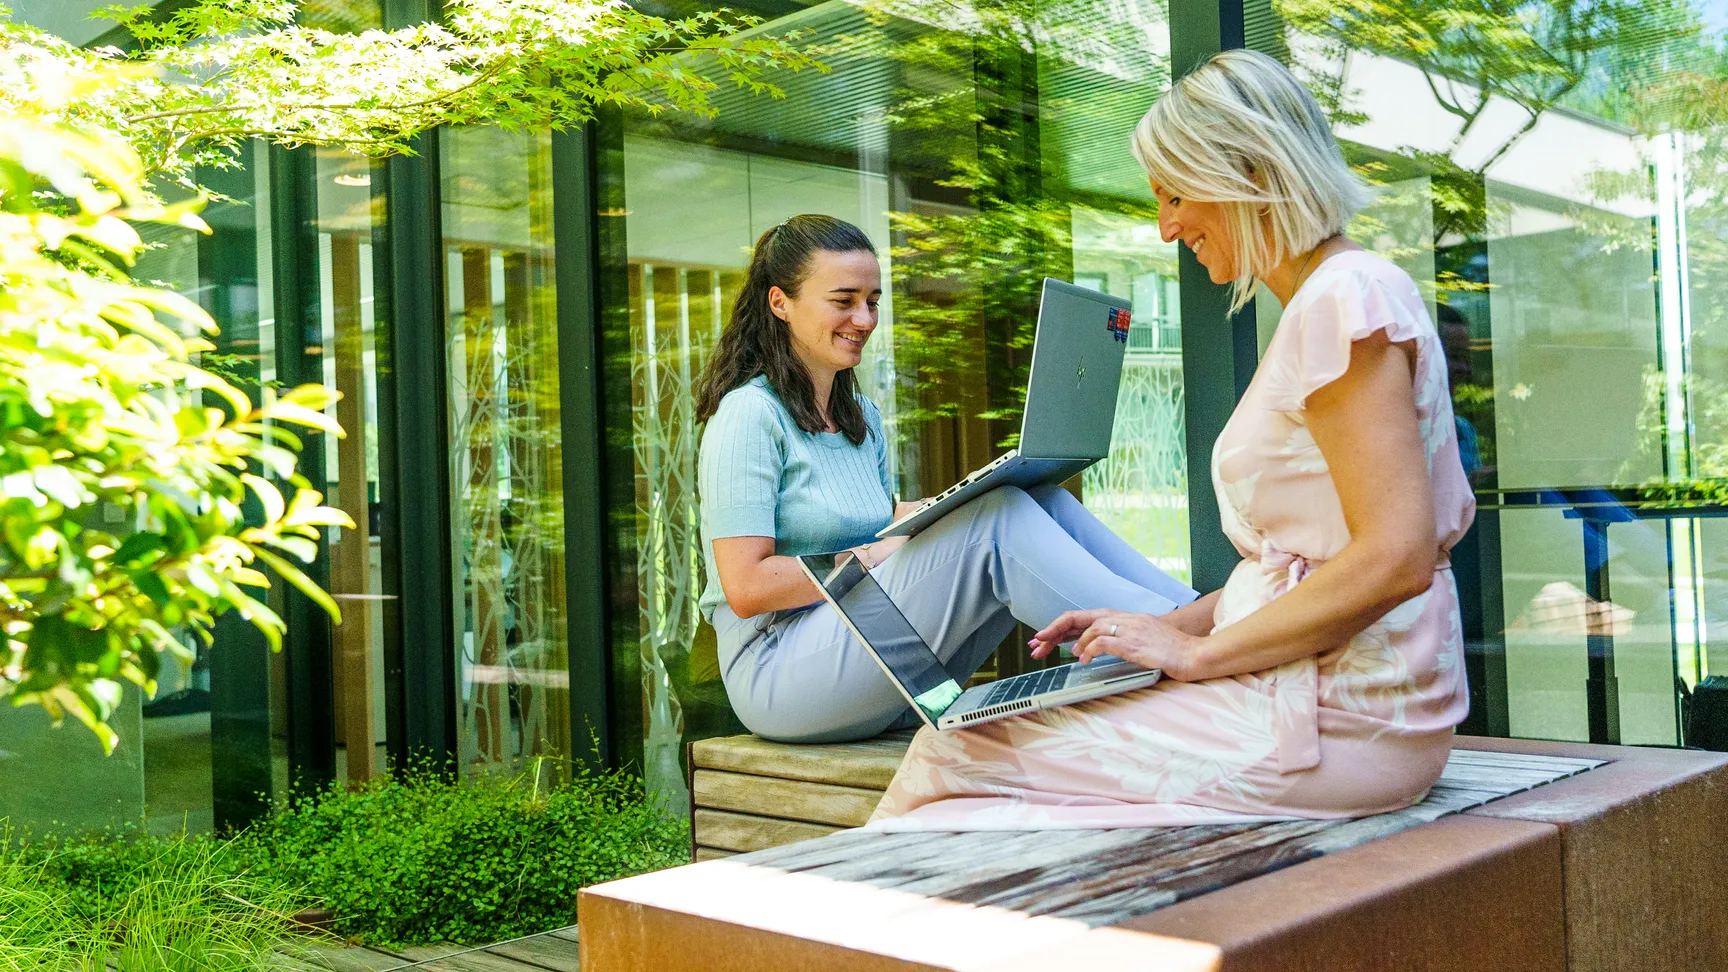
(1118, 324)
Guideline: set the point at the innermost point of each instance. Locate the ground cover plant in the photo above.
(415, 859)
(410, 859)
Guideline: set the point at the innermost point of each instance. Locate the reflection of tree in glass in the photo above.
(1017, 109)
(1675, 96)
(1533, 54)
(341, 16)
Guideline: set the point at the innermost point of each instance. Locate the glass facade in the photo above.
(507, 515)
(975, 156)
(1551, 197)
(1558, 197)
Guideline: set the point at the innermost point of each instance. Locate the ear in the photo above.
(777, 301)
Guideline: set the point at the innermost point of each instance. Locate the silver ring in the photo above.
(1113, 631)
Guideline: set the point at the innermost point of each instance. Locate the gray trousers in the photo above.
(1027, 555)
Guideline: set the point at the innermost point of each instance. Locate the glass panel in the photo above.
(342, 354)
(161, 774)
(981, 154)
(1141, 490)
(74, 786)
(1553, 196)
(506, 469)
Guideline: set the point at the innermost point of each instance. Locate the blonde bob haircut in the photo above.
(1241, 131)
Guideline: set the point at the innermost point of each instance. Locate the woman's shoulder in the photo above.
(1355, 275)
(750, 404)
(754, 395)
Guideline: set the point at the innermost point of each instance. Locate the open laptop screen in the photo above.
(872, 614)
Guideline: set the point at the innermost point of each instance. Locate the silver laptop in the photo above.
(1070, 401)
(919, 675)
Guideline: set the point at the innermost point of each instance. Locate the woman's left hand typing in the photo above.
(1144, 639)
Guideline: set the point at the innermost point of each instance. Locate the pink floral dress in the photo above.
(1362, 728)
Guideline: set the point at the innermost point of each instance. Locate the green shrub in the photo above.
(417, 859)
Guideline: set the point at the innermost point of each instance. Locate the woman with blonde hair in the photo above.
(1325, 678)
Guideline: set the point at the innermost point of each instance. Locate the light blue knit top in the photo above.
(760, 475)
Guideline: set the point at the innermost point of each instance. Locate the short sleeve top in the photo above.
(1273, 484)
(760, 475)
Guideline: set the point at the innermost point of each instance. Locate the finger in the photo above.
(1103, 645)
(1097, 629)
(1068, 625)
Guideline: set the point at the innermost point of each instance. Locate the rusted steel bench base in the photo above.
(1612, 869)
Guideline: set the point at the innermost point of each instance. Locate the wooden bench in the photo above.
(1616, 868)
(748, 794)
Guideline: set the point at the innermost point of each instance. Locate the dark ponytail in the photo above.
(756, 342)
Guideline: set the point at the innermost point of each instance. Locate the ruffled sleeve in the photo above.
(1312, 348)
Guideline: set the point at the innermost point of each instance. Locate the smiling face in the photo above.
(1200, 225)
(834, 313)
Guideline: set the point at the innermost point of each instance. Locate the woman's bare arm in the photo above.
(1366, 427)
(1195, 617)
(756, 580)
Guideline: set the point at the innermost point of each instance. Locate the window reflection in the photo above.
(345, 358)
(507, 519)
(1549, 188)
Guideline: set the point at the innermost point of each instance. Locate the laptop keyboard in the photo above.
(1023, 686)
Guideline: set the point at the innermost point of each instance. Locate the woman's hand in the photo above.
(1144, 639)
(873, 553)
(904, 508)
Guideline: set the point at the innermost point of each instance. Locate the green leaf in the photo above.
(137, 547)
(301, 582)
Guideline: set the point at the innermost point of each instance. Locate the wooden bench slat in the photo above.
(1058, 886)
(869, 764)
(1018, 859)
(844, 806)
(712, 854)
(725, 830)
(830, 850)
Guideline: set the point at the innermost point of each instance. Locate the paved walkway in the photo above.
(553, 951)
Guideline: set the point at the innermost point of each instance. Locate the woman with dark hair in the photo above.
(794, 462)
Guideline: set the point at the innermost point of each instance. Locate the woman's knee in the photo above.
(1050, 496)
(1007, 499)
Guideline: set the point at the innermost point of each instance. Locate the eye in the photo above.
(1174, 202)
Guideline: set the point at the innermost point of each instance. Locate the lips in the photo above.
(856, 342)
